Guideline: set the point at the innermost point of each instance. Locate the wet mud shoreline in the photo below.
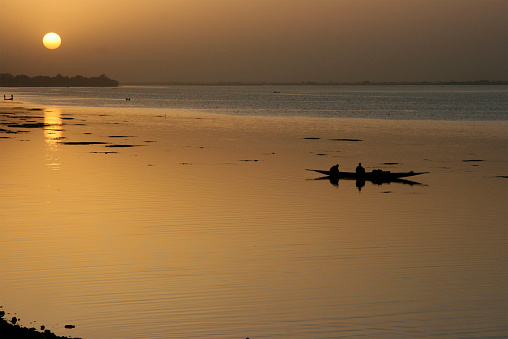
(10, 329)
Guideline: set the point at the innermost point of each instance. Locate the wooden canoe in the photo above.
(376, 175)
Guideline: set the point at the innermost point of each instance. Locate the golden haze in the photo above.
(276, 40)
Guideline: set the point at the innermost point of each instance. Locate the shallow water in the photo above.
(210, 227)
(452, 103)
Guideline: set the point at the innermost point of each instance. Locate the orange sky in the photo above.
(258, 40)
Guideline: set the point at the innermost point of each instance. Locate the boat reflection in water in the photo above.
(376, 177)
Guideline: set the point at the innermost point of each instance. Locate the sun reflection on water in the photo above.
(52, 134)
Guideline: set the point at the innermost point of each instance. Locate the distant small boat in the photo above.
(11, 98)
(276, 91)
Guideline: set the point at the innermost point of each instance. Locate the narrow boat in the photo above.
(375, 175)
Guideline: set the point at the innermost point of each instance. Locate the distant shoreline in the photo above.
(310, 83)
(9, 80)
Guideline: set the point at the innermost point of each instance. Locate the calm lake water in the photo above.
(364, 102)
(172, 220)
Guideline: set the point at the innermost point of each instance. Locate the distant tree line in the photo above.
(9, 80)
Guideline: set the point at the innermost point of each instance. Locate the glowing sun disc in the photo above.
(52, 41)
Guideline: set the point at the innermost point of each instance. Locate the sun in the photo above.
(51, 41)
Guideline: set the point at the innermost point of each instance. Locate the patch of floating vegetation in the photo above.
(28, 125)
(21, 117)
(13, 132)
(117, 145)
(83, 143)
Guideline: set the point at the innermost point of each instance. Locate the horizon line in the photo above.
(309, 83)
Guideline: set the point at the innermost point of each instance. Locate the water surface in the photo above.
(472, 103)
(208, 226)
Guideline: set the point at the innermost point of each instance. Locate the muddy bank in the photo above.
(9, 329)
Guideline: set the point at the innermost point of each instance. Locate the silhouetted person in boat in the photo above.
(334, 170)
(360, 171)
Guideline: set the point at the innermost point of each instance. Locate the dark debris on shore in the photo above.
(10, 330)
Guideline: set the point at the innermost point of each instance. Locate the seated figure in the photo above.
(334, 170)
(360, 171)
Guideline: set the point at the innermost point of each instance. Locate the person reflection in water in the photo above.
(334, 170)
(359, 184)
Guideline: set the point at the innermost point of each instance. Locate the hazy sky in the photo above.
(258, 40)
